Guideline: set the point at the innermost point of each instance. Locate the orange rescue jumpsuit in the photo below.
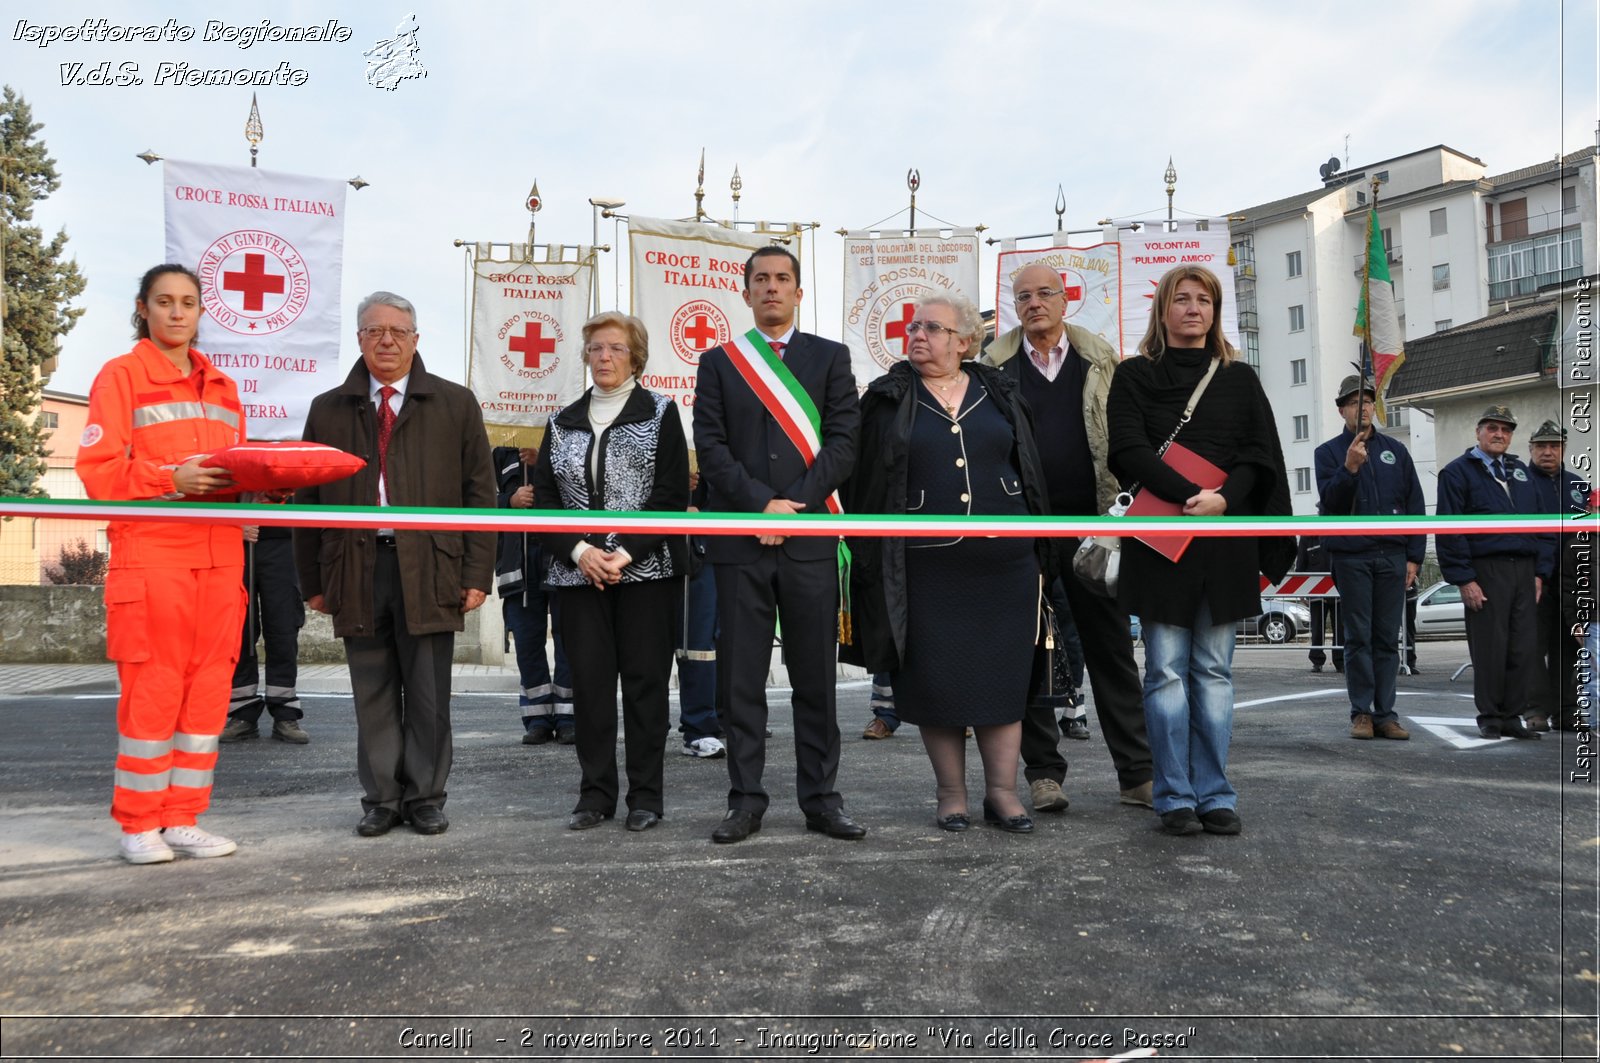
(174, 592)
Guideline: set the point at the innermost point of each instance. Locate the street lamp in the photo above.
(602, 206)
(1171, 177)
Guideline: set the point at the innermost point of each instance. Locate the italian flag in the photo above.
(1376, 322)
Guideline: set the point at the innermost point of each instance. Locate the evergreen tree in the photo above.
(39, 283)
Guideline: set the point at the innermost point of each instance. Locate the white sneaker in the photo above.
(192, 841)
(145, 847)
(709, 748)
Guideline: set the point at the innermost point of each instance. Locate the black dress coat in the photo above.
(1233, 428)
(878, 565)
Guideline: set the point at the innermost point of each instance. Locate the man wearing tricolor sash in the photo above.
(775, 423)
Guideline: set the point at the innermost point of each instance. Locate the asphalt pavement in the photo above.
(1421, 900)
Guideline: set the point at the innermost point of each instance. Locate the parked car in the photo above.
(1440, 613)
(1282, 620)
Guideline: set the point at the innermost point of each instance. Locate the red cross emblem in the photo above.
(896, 330)
(254, 282)
(700, 332)
(531, 344)
(1073, 292)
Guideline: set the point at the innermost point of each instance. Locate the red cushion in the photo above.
(284, 465)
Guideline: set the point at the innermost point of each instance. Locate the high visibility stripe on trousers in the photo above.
(176, 632)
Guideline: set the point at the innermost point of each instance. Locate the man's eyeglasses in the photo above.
(933, 330)
(377, 332)
(1041, 294)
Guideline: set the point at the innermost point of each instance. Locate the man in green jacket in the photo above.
(1065, 374)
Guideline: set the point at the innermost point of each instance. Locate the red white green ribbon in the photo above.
(777, 389)
(829, 525)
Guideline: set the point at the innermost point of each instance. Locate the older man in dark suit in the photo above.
(775, 423)
(398, 597)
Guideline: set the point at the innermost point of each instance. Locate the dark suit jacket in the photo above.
(438, 456)
(745, 459)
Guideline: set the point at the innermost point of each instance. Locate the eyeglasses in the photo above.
(615, 350)
(933, 330)
(377, 332)
(1041, 294)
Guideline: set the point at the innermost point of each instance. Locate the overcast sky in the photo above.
(823, 107)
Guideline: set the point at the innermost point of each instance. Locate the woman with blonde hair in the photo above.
(619, 448)
(1189, 380)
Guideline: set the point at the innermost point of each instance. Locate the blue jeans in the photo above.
(542, 702)
(1188, 711)
(694, 630)
(1372, 601)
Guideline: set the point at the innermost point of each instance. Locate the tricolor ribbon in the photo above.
(829, 525)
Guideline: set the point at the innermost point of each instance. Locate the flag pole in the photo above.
(1366, 288)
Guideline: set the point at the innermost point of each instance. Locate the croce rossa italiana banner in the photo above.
(527, 335)
(884, 275)
(688, 288)
(268, 250)
(1090, 285)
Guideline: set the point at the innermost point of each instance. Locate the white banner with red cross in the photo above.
(1150, 252)
(1090, 286)
(526, 360)
(268, 248)
(884, 274)
(687, 280)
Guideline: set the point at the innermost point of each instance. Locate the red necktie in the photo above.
(777, 347)
(385, 430)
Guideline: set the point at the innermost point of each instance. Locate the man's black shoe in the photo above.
(1221, 821)
(1516, 728)
(736, 826)
(378, 821)
(836, 824)
(429, 819)
(1181, 821)
(587, 818)
(1489, 730)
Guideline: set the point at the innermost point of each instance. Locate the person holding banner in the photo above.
(951, 436)
(1361, 471)
(519, 568)
(620, 448)
(174, 593)
(775, 422)
(1188, 376)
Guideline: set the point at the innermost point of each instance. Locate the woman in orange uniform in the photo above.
(174, 592)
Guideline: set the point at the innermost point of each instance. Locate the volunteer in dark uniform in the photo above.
(528, 609)
(1365, 473)
(1554, 695)
(1500, 574)
(274, 614)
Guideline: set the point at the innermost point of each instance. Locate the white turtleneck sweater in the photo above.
(604, 407)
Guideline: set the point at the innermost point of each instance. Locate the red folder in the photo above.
(1193, 468)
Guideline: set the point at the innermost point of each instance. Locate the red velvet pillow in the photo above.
(284, 465)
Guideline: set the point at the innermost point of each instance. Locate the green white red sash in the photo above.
(777, 389)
